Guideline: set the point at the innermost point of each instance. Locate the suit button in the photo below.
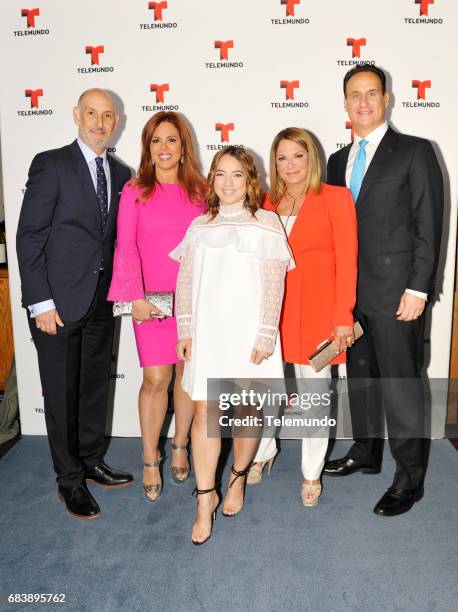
(387, 261)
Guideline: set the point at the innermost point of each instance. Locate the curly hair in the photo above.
(189, 175)
(253, 188)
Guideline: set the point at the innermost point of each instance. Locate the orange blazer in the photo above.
(320, 292)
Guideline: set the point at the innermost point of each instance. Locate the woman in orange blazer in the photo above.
(320, 293)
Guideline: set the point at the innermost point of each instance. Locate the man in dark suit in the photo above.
(65, 243)
(398, 190)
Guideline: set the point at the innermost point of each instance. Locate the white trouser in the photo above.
(313, 448)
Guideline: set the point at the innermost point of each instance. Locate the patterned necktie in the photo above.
(359, 168)
(102, 191)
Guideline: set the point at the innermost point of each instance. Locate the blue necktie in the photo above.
(359, 168)
(102, 191)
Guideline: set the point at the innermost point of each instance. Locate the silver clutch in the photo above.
(163, 300)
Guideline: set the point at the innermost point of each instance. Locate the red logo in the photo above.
(289, 86)
(95, 52)
(349, 126)
(224, 47)
(356, 44)
(424, 6)
(158, 7)
(30, 14)
(33, 94)
(290, 4)
(159, 89)
(421, 86)
(224, 128)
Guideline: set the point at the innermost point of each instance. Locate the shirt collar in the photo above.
(375, 136)
(89, 154)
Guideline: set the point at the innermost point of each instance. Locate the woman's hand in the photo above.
(258, 357)
(142, 309)
(184, 349)
(344, 337)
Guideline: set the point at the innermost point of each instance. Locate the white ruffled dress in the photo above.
(229, 296)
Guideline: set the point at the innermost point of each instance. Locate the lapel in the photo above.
(295, 237)
(378, 164)
(86, 183)
(341, 169)
(112, 211)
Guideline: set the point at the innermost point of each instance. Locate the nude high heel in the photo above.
(310, 494)
(256, 469)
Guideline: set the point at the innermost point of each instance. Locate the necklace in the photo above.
(285, 225)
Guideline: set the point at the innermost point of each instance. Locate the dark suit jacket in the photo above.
(399, 211)
(60, 244)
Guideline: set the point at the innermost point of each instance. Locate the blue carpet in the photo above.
(276, 555)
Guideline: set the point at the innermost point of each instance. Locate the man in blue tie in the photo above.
(397, 186)
(65, 243)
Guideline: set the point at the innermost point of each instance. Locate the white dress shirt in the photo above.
(89, 156)
(374, 139)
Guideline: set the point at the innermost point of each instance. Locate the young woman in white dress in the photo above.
(228, 302)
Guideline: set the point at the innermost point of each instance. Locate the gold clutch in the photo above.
(326, 352)
(163, 300)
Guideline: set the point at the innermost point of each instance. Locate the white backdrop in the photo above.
(184, 46)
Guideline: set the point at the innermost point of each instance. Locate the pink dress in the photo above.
(147, 232)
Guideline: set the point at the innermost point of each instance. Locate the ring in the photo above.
(138, 322)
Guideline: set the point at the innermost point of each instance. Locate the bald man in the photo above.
(65, 243)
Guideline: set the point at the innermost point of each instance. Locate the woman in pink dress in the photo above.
(155, 210)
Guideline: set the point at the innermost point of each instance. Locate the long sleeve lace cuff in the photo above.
(127, 281)
(183, 296)
(273, 284)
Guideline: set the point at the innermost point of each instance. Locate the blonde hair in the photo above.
(304, 139)
(253, 188)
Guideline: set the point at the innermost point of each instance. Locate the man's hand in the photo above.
(142, 309)
(410, 307)
(47, 321)
(184, 349)
(344, 336)
(258, 357)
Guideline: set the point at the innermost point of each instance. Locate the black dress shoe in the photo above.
(105, 476)
(345, 466)
(79, 501)
(397, 501)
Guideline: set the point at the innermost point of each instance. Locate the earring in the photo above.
(181, 159)
(152, 162)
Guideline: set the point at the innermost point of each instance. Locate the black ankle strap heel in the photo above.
(198, 492)
(202, 491)
(239, 474)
